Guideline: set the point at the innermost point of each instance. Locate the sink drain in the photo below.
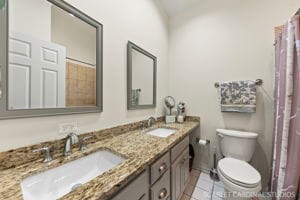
(74, 187)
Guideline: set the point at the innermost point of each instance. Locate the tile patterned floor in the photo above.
(201, 187)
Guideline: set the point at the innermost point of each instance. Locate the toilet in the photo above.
(241, 180)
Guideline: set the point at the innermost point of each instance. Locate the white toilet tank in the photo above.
(237, 144)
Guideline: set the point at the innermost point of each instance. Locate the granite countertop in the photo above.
(140, 150)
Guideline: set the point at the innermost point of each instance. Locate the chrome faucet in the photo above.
(71, 139)
(151, 121)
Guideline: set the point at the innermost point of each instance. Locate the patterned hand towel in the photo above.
(238, 96)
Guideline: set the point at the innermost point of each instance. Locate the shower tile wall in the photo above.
(81, 85)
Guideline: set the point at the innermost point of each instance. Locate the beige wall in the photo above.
(227, 40)
(142, 76)
(23, 18)
(77, 36)
(133, 20)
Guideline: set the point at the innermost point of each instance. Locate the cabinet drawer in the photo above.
(159, 167)
(161, 190)
(138, 189)
(178, 148)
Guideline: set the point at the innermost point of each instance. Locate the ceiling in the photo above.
(172, 7)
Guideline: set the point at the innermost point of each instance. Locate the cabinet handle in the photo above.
(163, 193)
(162, 167)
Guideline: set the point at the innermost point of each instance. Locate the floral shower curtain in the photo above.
(286, 153)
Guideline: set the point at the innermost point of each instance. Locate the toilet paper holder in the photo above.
(207, 141)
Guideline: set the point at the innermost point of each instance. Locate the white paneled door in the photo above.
(37, 73)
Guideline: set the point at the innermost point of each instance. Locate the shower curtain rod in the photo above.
(279, 29)
(81, 61)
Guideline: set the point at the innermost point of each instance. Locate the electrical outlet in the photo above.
(67, 128)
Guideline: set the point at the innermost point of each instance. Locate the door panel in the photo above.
(180, 174)
(49, 89)
(49, 55)
(46, 77)
(185, 169)
(176, 179)
(20, 86)
(19, 47)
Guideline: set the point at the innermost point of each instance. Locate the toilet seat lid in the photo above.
(239, 172)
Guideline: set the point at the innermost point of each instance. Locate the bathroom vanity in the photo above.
(151, 167)
(166, 178)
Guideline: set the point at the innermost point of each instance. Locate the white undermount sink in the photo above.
(161, 132)
(57, 182)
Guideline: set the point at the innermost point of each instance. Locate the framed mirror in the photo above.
(50, 59)
(141, 78)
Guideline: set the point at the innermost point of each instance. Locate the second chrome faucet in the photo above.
(149, 124)
(151, 121)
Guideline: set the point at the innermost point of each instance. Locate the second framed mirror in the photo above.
(141, 78)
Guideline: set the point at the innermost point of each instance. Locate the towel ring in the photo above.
(257, 82)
